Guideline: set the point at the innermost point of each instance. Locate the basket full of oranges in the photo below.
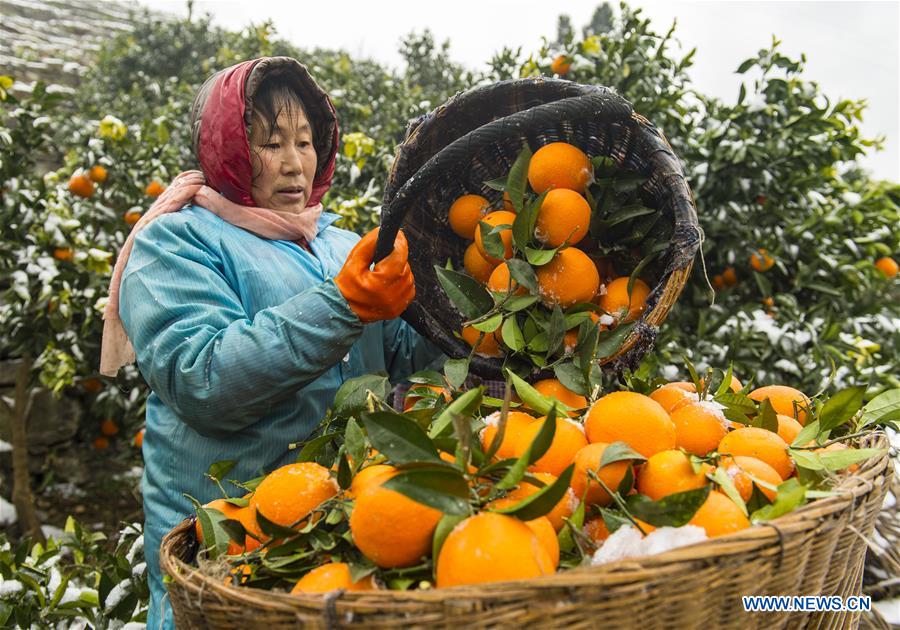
(550, 228)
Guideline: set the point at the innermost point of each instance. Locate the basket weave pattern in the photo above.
(817, 549)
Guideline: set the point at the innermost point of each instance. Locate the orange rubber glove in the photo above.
(382, 292)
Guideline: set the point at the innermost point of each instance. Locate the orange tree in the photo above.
(773, 170)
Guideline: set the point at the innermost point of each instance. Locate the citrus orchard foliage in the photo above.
(463, 489)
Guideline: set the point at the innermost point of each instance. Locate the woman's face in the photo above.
(284, 164)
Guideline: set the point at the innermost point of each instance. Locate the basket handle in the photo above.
(599, 102)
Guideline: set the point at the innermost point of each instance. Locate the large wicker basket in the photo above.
(475, 137)
(816, 550)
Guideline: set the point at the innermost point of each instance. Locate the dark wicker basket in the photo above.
(818, 549)
(474, 138)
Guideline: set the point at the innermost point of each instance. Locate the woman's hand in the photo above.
(380, 293)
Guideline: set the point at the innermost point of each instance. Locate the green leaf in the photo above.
(807, 459)
(464, 406)
(352, 396)
(556, 331)
(619, 451)
(215, 541)
(587, 351)
(673, 510)
(492, 241)
(456, 371)
(401, 440)
(518, 175)
(355, 442)
(543, 501)
(517, 303)
(272, 529)
(489, 325)
(575, 522)
(749, 63)
(512, 334)
(839, 460)
(757, 500)
(443, 529)
(496, 184)
(841, 407)
(724, 480)
(218, 470)
(464, 292)
(766, 418)
(885, 407)
(570, 376)
(535, 399)
(540, 257)
(610, 341)
(523, 273)
(344, 473)
(442, 488)
(791, 494)
(312, 448)
(807, 434)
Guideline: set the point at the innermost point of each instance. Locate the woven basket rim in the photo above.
(761, 537)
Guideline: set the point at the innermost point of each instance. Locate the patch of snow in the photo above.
(52, 532)
(8, 514)
(5, 447)
(627, 542)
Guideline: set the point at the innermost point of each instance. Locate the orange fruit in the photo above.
(391, 529)
(92, 385)
(761, 444)
(719, 516)
(782, 399)
(559, 165)
(154, 189)
(247, 518)
(669, 472)
(788, 428)
(564, 216)
(761, 261)
(588, 459)
(887, 266)
(288, 494)
(101, 443)
(570, 277)
(139, 439)
(368, 476)
(477, 265)
(560, 66)
(501, 282)
(699, 427)
(332, 577)
(633, 418)
(552, 388)
(516, 422)
(489, 346)
(109, 427)
(81, 185)
(740, 467)
(507, 202)
(64, 253)
(563, 508)
(491, 547)
(132, 216)
(718, 282)
(671, 396)
(498, 217)
(541, 527)
(596, 530)
(619, 304)
(97, 174)
(567, 441)
(416, 393)
(465, 213)
(729, 276)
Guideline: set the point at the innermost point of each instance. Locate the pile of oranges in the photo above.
(559, 175)
(597, 461)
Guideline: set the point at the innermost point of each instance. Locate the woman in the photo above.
(246, 307)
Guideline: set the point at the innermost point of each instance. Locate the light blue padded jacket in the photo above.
(244, 342)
